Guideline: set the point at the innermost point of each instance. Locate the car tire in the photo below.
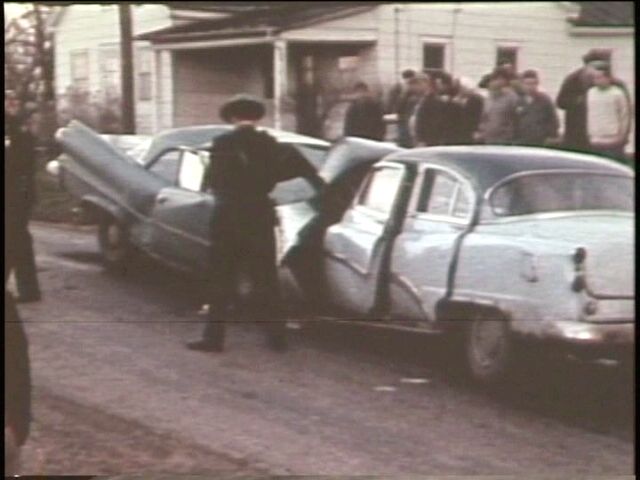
(489, 350)
(115, 247)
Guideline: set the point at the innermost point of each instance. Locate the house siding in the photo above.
(93, 27)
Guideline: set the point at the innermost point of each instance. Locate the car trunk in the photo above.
(608, 240)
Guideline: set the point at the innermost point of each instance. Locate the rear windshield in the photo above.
(563, 191)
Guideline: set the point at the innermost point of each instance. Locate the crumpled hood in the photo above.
(609, 241)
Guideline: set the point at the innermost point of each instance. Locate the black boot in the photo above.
(212, 338)
(205, 346)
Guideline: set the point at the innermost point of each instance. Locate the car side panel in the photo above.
(420, 267)
(530, 281)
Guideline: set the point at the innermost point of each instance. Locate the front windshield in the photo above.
(563, 191)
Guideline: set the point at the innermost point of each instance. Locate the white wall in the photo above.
(90, 26)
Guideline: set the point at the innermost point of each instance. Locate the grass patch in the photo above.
(53, 203)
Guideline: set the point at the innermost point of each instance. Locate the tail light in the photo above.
(579, 281)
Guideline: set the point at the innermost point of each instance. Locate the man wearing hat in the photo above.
(20, 193)
(246, 164)
(572, 98)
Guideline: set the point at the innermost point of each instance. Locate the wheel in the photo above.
(489, 350)
(113, 239)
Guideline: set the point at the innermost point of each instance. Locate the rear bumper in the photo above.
(601, 340)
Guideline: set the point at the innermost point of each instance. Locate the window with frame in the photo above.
(443, 195)
(508, 55)
(167, 166)
(145, 56)
(80, 69)
(109, 68)
(433, 57)
(381, 189)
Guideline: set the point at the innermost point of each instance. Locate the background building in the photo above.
(303, 59)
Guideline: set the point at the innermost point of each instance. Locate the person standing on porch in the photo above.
(245, 166)
(608, 115)
(365, 115)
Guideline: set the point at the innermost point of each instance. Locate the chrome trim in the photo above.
(552, 215)
(342, 259)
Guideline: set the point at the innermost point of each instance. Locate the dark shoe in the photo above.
(30, 298)
(205, 346)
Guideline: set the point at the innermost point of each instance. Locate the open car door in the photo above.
(303, 222)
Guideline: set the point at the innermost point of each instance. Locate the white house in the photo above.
(300, 57)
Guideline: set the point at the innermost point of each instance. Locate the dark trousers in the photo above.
(20, 257)
(244, 244)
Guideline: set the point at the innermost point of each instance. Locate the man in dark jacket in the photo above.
(537, 120)
(20, 193)
(246, 164)
(17, 385)
(467, 109)
(365, 115)
(572, 98)
(430, 117)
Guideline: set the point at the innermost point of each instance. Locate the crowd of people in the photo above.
(504, 108)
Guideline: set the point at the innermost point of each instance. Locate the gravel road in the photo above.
(109, 368)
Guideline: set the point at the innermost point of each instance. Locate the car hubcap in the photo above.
(487, 342)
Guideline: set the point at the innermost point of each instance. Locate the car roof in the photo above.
(200, 137)
(485, 165)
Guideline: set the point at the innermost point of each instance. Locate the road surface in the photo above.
(109, 368)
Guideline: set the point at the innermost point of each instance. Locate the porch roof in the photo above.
(605, 14)
(256, 24)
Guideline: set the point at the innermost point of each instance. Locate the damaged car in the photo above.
(491, 247)
(494, 247)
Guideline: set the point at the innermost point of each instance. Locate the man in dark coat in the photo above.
(365, 115)
(17, 385)
(572, 98)
(20, 196)
(467, 111)
(430, 117)
(246, 164)
(537, 120)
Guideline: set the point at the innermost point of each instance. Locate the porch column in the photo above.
(279, 80)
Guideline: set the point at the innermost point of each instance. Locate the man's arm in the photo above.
(552, 120)
(294, 164)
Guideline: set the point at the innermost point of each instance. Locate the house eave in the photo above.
(579, 31)
(213, 43)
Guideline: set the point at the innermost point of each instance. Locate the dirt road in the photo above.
(108, 363)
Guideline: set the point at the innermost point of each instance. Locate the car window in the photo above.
(561, 191)
(193, 165)
(443, 194)
(381, 188)
(167, 166)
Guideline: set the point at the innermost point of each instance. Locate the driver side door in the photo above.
(181, 215)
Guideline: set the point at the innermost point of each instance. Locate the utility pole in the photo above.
(126, 79)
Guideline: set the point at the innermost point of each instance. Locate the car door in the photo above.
(354, 248)
(181, 215)
(438, 216)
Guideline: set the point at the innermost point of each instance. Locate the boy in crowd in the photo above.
(537, 121)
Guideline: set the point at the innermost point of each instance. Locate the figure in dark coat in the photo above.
(467, 111)
(572, 98)
(537, 120)
(246, 164)
(17, 384)
(430, 117)
(365, 115)
(20, 197)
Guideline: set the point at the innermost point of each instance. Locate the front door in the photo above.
(356, 248)
(181, 216)
(422, 260)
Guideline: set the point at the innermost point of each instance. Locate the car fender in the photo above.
(96, 206)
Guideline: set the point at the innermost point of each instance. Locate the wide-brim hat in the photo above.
(243, 106)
